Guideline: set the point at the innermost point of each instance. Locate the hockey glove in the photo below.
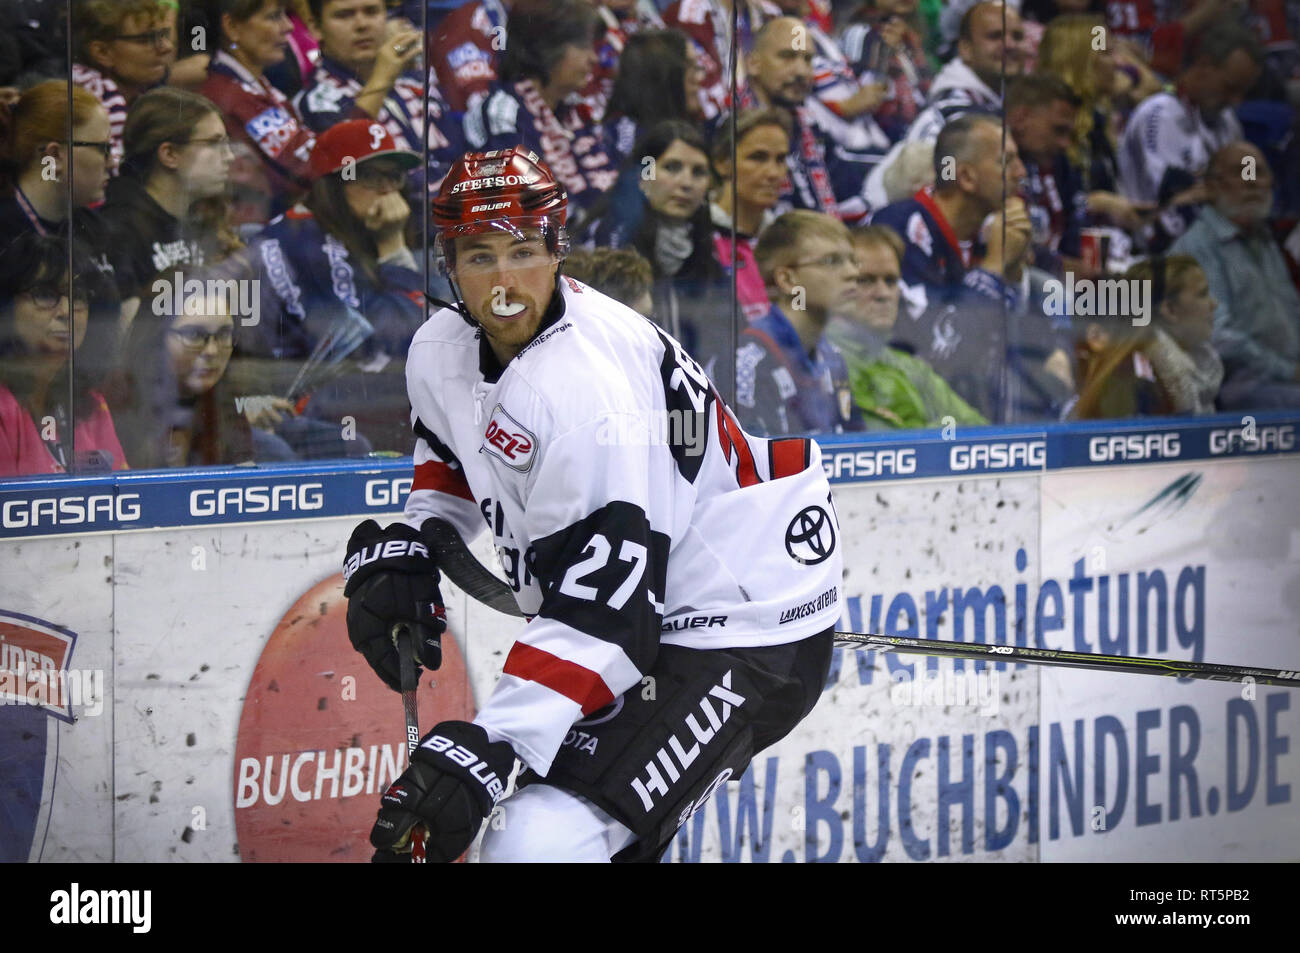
(455, 778)
(390, 577)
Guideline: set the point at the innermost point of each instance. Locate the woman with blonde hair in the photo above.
(1077, 49)
(1168, 366)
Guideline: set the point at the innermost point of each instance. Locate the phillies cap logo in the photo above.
(810, 537)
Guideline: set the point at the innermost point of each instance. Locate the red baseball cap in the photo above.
(355, 141)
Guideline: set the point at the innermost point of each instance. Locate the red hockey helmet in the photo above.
(505, 189)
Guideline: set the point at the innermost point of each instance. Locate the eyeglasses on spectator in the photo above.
(196, 339)
(105, 148)
(155, 38)
(833, 260)
(219, 142)
(47, 298)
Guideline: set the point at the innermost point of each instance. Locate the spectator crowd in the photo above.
(859, 215)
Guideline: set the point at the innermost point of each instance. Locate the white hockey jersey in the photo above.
(628, 507)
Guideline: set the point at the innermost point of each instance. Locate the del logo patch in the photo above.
(509, 441)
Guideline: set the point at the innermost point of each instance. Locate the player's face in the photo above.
(878, 278)
(351, 31)
(507, 284)
(680, 182)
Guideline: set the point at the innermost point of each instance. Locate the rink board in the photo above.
(234, 721)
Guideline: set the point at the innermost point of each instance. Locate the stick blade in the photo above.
(456, 561)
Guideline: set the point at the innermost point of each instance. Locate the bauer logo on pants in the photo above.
(675, 758)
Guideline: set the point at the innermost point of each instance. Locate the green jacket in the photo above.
(893, 389)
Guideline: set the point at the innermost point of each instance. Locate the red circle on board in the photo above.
(315, 751)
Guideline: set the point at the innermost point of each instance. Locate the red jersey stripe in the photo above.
(436, 475)
(569, 679)
(788, 457)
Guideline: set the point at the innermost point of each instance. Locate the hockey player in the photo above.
(681, 576)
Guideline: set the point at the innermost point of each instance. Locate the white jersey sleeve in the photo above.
(438, 486)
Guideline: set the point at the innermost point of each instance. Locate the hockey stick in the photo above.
(1085, 660)
(469, 574)
(454, 558)
(406, 658)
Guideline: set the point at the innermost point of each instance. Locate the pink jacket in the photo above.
(23, 453)
(751, 294)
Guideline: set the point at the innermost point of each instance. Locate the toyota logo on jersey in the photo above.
(810, 537)
(509, 441)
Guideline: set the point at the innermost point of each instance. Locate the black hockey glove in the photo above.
(455, 778)
(389, 578)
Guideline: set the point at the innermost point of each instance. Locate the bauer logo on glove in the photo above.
(390, 578)
(478, 769)
(454, 779)
(390, 550)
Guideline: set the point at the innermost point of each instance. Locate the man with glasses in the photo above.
(894, 389)
(790, 379)
(122, 49)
